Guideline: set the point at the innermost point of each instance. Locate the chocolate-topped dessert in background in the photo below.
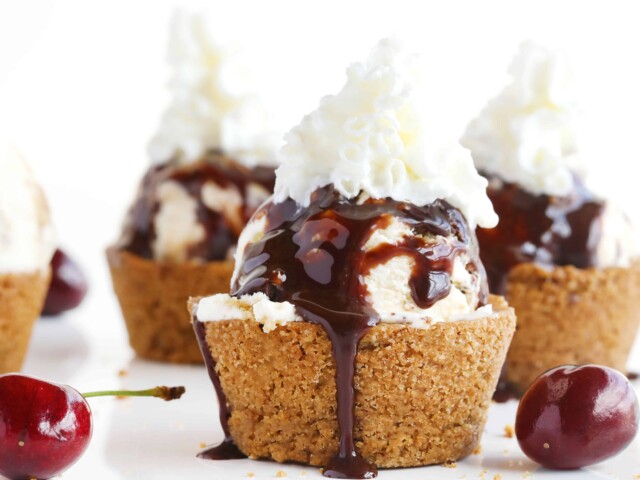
(27, 243)
(564, 258)
(359, 316)
(213, 162)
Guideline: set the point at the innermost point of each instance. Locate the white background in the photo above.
(82, 89)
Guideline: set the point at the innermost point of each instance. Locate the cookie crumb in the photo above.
(477, 450)
(526, 474)
(497, 476)
(281, 474)
(203, 445)
(450, 464)
(251, 475)
(122, 373)
(508, 431)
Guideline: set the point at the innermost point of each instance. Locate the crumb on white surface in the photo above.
(508, 431)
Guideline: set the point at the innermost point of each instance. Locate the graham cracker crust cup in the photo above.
(152, 297)
(22, 297)
(572, 316)
(422, 395)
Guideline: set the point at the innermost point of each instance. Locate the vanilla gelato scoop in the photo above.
(411, 265)
(194, 212)
(27, 236)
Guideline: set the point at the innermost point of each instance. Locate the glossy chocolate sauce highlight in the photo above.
(221, 234)
(540, 229)
(314, 258)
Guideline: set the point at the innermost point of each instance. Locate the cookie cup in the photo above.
(422, 395)
(22, 297)
(571, 316)
(152, 297)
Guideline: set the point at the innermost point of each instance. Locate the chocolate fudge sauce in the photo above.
(505, 390)
(227, 450)
(314, 258)
(221, 234)
(540, 229)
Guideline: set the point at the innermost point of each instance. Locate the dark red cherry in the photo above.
(44, 427)
(68, 285)
(572, 417)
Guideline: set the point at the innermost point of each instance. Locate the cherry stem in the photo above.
(165, 393)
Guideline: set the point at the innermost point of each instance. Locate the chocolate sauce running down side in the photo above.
(539, 229)
(227, 450)
(313, 257)
(221, 234)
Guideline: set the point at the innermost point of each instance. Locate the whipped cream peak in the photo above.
(529, 133)
(214, 105)
(27, 236)
(370, 137)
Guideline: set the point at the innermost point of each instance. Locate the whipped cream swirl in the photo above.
(213, 106)
(528, 133)
(370, 137)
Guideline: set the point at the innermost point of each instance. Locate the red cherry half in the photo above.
(44, 427)
(68, 285)
(573, 417)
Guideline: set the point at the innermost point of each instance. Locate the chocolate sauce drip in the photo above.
(227, 450)
(221, 232)
(314, 258)
(539, 229)
(632, 376)
(505, 390)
